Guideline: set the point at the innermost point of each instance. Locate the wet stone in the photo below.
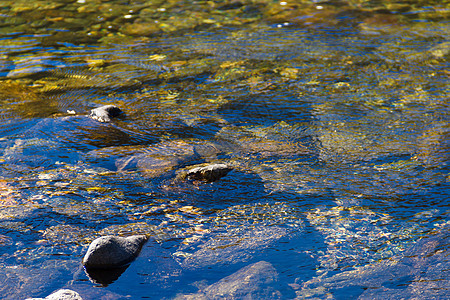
(140, 28)
(105, 113)
(112, 252)
(63, 294)
(208, 172)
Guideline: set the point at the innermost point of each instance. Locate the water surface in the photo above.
(333, 116)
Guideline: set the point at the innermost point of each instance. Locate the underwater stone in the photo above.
(140, 28)
(161, 158)
(235, 245)
(105, 113)
(407, 275)
(256, 281)
(113, 252)
(20, 72)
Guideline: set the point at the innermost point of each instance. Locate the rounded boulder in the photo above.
(112, 252)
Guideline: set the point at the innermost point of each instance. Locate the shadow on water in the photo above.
(104, 277)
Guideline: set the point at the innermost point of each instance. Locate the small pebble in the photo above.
(105, 113)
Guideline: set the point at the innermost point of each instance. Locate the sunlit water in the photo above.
(338, 138)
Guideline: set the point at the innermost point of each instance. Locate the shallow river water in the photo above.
(333, 115)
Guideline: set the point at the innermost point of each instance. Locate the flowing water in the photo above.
(334, 116)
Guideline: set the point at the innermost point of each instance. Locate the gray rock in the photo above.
(113, 252)
(208, 172)
(105, 113)
(62, 294)
(256, 281)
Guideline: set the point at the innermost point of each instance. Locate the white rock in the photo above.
(62, 294)
(105, 113)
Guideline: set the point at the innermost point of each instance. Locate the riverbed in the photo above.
(333, 117)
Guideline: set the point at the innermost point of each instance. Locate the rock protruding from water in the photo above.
(256, 281)
(208, 172)
(105, 113)
(63, 294)
(109, 251)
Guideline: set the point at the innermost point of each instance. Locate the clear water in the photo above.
(338, 136)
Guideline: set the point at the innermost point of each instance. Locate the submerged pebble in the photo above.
(255, 281)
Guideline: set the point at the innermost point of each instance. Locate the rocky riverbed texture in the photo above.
(302, 145)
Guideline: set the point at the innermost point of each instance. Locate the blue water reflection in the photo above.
(337, 136)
